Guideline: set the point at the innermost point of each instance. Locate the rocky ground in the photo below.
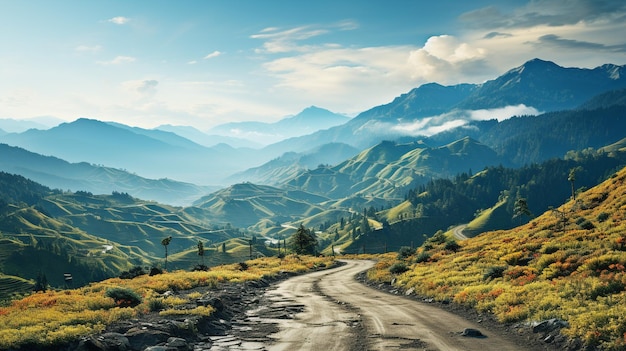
(245, 320)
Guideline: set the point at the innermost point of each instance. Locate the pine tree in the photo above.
(165, 242)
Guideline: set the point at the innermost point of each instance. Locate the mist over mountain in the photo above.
(151, 153)
(308, 121)
(10, 125)
(443, 114)
(207, 140)
(281, 169)
(535, 87)
(59, 174)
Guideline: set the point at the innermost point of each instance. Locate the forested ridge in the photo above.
(542, 185)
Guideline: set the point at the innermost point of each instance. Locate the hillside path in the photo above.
(339, 313)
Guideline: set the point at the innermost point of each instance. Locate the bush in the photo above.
(124, 297)
(404, 252)
(200, 268)
(585, 224)
(452, 245)
(156, 305)
(603, 217)
(398, 268)
(494, 272)
(614, 287)
(422, 257)
(132, 273)
(155, 271)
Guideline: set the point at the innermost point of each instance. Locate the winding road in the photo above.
(339, 313)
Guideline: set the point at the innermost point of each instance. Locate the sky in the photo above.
(203, 63)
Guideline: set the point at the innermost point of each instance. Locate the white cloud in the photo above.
(87, 48)
(432, 125)
(119, 20)
(141, 88)
(503, 113)
(118, 60)
(192, 62)
(350, 80)
(212, 55)
(277, 40)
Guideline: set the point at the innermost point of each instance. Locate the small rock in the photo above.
(179, 344)
(472, 333)
(549, 325)
(157, 348)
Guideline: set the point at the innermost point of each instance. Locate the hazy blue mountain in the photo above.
(59, 174)
(150, 153)
(290, 164)
(204, 139)
(306, 122)
(11, 125)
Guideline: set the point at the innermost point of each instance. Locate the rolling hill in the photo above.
(59, 174)
(389, 169)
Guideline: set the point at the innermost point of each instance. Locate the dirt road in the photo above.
(339, 313)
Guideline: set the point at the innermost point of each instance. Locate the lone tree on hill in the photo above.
(521, 209)
(201, 251)
(304, 241)
(165, 242)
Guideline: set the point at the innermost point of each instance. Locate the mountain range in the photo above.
(535, 87)
(422, 161)
(310, 120)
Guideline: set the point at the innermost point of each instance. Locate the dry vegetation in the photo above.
(571, 268)
(55, 317)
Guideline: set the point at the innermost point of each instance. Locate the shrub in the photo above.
(132, 273)
(584, 223)
(404, 252)
(155, 271)
(422, 257)
(200, 268)
(398, 268)
(494, 272)
(452, 245)
(438, 238)
(614, 287)
(603, 217)
(156, 305)
(124, 297)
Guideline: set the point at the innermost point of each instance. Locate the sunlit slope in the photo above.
(389, 169)
(246, 204)
(134, 222)
(568, 263)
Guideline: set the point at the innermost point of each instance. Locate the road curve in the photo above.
(342, 314)
(458, 232)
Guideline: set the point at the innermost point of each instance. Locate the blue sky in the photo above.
(202, 63)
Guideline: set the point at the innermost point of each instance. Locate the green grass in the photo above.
(492, 218)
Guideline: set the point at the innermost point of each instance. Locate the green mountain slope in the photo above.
(389, 169)
(243, 205)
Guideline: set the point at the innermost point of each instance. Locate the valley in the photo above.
(432, 175)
